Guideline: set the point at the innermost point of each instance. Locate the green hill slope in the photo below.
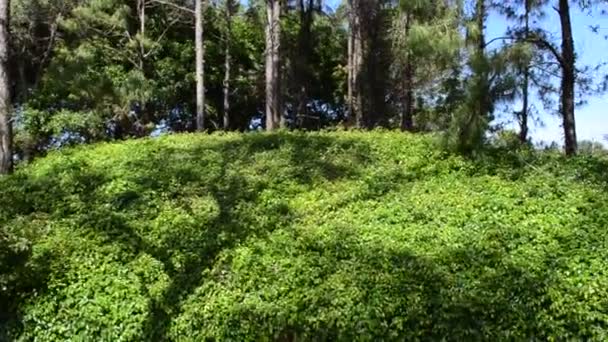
(323, 236)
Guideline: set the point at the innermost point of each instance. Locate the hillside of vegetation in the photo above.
(293, 236)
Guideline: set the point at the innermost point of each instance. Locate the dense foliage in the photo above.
(319, 236)
(86, 71)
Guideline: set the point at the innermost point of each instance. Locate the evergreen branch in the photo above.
(497, 39)
(176, 6)
(544, 44)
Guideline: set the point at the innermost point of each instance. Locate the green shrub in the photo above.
(321, 236)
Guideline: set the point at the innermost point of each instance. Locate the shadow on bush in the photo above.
(161, 224)
(516, 161)
(341, 288)
(120, 203)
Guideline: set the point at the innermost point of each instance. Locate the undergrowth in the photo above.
(293, 236)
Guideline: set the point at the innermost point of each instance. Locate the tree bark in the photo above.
(270, 86)
(273, 66)
(278, 64)
(407, 123)
(46, 57)
(484, 101)
(350, 67)
(523, 119)
(200, 65)
(141, 9)
(568, 79)
(6, 134)
(408, 84)
(227, 63)
(23, 85)
(357, 63)
(302, 60)
(481, 24)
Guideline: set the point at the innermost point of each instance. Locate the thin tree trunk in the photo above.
(268, 67)
(407, 123)
(473, 126)
(484, 100)
(481, 20)
(142, 32)
(273, 85)
(49, 50)
(350, 66)
(23, 87)
(6, 134)
(227, 63)
(568, 79)
(408, 84)
(200, 65)
(523, 120)
(142, 56)
(358, 63)
(226, 89)
(277, 65)
(304, 48)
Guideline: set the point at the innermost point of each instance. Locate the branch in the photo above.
(539, 64)
(176, 6)
(543, 44)
(161, 38)
(547, 71)
(50, 46)
(497, 39)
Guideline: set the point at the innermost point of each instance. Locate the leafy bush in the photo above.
(320, 236)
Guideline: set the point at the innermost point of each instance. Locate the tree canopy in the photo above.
(95, 70)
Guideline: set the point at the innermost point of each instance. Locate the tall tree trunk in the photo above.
(357, 63)
(408, 84)
(474, 125)
(568, 79)
(302, 60)
(350, 66)
(481, 25)
(141, 9)
(273, 66)
(270, 86)
(200, 65)
(523, 119)
(23, 85)
(48, 52)
(227, 63)
(374, 64)
(484, 101)
(6, 134)
(278, 65)
(407, 120)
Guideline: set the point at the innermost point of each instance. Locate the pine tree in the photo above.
(426, 41)
(368, 61)
(470, 121)
(564, 56)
